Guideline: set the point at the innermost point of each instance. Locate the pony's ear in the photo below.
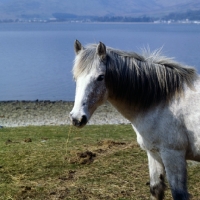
(101, 50)
(77, 46)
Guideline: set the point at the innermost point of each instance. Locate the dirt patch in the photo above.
(26, 188)
(8, 141)
(102, 148)
(28, 140)
(86, 157)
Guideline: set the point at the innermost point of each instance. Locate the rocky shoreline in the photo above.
(39, 113)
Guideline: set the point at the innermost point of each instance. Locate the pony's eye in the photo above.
(100, 78)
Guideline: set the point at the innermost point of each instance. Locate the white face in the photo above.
(90, 93)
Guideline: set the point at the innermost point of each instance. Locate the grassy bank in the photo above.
(97, 162)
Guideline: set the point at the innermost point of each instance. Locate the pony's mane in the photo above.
(139, 80)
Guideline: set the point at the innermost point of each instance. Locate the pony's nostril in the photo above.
(79, 122)
(84, 119)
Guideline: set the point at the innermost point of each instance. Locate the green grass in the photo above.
(41, 163)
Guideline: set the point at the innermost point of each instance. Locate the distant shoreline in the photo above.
(30, 101)
(106, 22)
(40, 113)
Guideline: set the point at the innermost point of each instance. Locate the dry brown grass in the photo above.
(98, 162)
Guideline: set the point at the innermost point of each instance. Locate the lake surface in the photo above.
(36, 59)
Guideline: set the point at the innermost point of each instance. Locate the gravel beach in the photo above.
(39, 113)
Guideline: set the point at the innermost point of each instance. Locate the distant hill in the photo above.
(43, 9)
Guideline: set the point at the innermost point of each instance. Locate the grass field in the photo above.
(61, 162)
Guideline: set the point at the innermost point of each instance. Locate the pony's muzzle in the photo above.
(79, 122)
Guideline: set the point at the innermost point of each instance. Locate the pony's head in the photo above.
(89, 72)
(139, 82)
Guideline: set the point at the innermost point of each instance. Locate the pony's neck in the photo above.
(127, 111)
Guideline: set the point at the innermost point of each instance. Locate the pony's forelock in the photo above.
(83, 61)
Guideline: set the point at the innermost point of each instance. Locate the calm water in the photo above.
(36, 59)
